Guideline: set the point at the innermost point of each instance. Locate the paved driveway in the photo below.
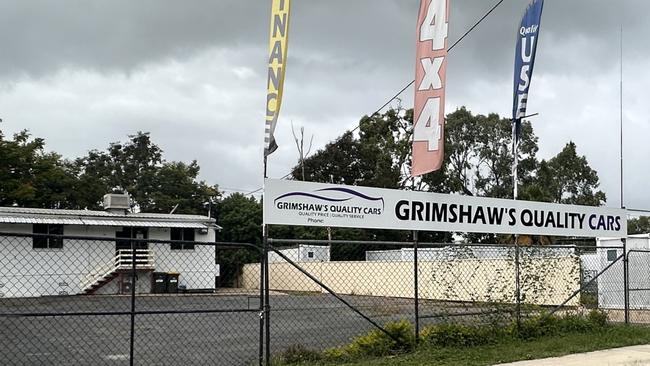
(230, 338)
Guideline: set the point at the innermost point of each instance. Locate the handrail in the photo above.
(144, 258)
(99, 273)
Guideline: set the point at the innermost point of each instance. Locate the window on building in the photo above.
(611, 255)
(122, 238)
(43, 242)
(182, 234)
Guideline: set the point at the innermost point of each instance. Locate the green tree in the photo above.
(176, 183)
(376, 158)
(124, 167)
(566, 178)
(137, 167)
(32, 177)
(639, 225)
(478, 155)
(241, 220)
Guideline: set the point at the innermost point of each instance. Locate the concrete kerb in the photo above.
(624, 356)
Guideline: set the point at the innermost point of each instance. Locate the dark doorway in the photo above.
(122, 238)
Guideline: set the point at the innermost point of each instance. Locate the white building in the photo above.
(302, 253)
(610, 283)
(463, 252)
(41, 266)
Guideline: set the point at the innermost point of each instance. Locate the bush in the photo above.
(597, 318)
(295, 354)
(459, 335)
(543, 325)
(377, 343)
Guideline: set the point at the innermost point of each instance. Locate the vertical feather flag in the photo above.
(430, 80)
(527, 39)
(278, 43)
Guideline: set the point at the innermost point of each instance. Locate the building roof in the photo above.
(21, 215)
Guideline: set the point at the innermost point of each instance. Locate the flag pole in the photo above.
(621, 111)
(515, 182)
(266, 308)
(626, 284)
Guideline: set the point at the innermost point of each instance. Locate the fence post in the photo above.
(133, 284)
(262, 308)
(626, 283)
(416, 295)
(517, 285)
(267, 305)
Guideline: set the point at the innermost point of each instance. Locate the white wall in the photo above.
(464, 252)
(639, 271)
(196, 268)
(292, 253)
(320, 253)
(590, 264)
(611, 293)
(26, 272)
(384, 255)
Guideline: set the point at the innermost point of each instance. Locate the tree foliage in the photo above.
(566, 178)
(375, 158)
(639, 225)
(32, 177)
(478, 152)
(137, 167)
(241, 220)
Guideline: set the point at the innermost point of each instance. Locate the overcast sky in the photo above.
(82, 74)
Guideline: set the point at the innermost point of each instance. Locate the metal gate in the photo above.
(72, 300)
(638, 272)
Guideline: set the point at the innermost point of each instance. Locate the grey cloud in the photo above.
(41, 36)
(83, 73)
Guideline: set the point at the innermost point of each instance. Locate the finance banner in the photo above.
(278, 43)
(317, 204)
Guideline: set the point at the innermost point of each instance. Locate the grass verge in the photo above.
(514, 349)
(455, 344)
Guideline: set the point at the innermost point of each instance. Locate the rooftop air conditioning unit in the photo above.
(115, 201)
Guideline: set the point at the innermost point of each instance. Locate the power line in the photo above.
(413, 81)
(448, 50)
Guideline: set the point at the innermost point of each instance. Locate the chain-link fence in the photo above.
(68, 300)
(106, 300)
(318, 303)
(639, 285)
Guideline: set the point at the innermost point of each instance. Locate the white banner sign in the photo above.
(317, 204)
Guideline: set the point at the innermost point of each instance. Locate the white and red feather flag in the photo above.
(430, 79)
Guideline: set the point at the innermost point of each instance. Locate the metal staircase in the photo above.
(121, 263)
